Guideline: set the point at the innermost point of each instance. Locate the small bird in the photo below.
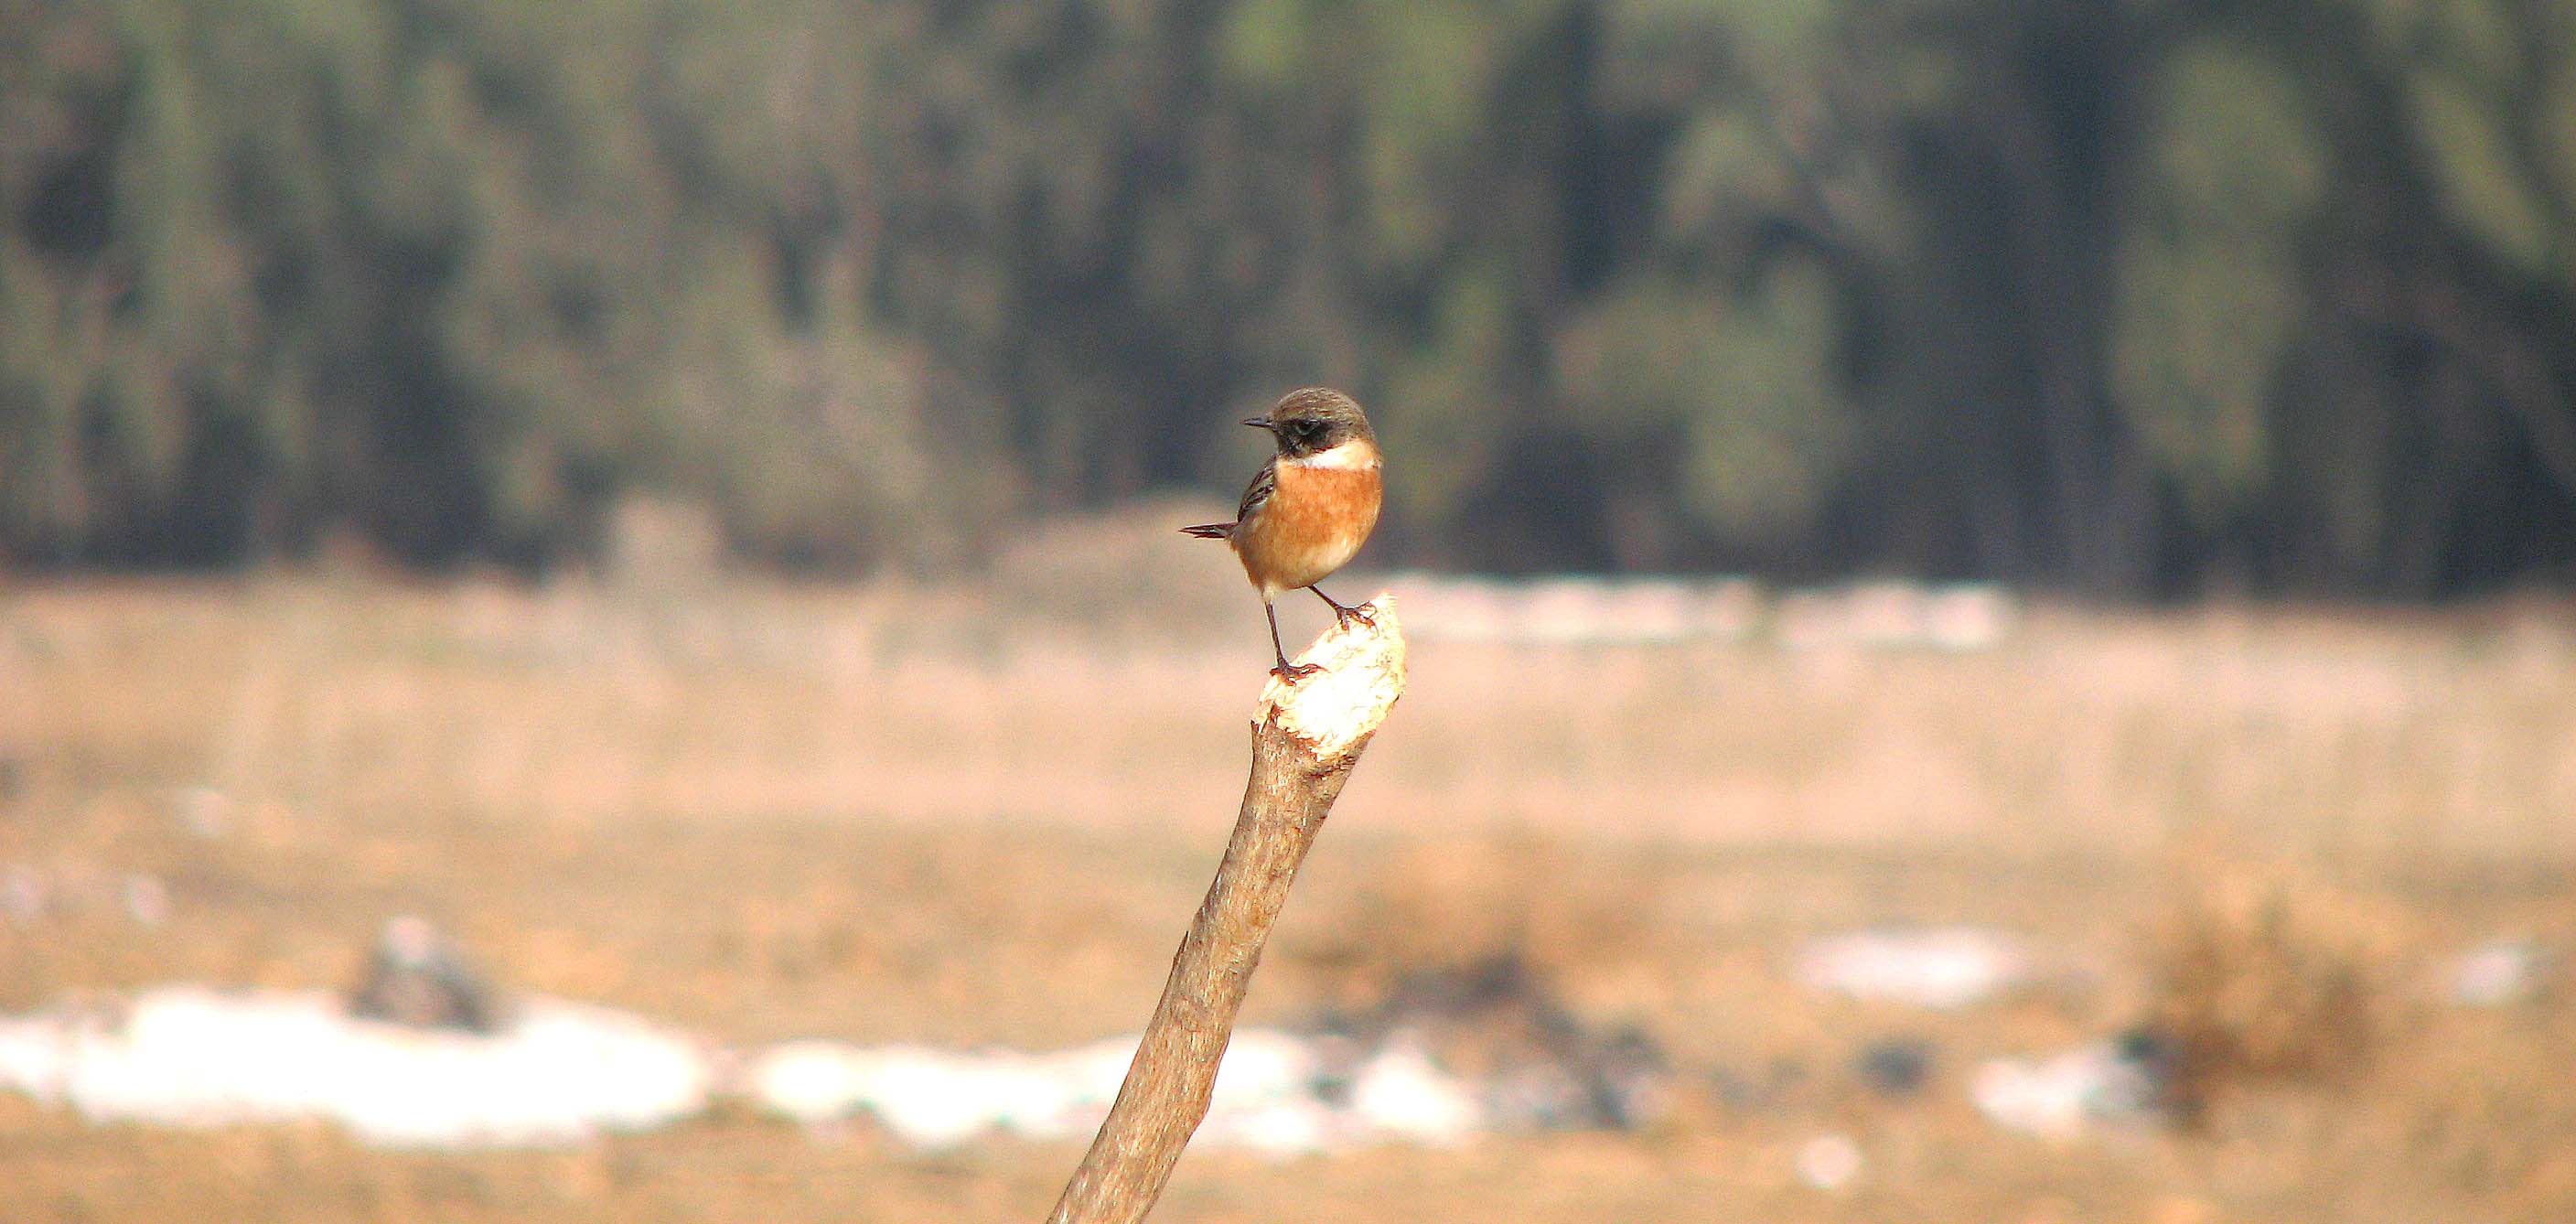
(1311, 507)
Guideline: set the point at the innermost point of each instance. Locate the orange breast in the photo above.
(1312, 524)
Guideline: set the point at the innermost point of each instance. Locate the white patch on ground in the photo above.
(1937, 967)
(1829, 1162)
(2064, 1096)
(2496, 973)
(1268, 1094)
(938, 1098)
(1400, 1093)
(558, 1073)
(1649, 610)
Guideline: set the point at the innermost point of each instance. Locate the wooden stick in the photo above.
(1305, 738)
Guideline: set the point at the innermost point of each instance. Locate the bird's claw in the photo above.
(1342, 617)
(1294, 672)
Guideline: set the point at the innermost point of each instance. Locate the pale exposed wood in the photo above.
(1305, 738)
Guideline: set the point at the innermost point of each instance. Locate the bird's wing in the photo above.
(1258, 495)
(1254, 498)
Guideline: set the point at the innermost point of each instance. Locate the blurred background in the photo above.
(1989, 579)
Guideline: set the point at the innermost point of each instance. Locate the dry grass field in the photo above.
(965, 815)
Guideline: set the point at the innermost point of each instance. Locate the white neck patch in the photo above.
(1352, 456)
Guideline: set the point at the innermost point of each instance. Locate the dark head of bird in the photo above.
(1314, 420)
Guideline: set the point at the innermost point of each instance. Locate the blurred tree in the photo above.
(2125, 296)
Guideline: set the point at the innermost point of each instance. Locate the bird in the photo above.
(1309, 509)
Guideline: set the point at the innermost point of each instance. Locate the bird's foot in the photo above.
(1342, 617)
(1294, 672)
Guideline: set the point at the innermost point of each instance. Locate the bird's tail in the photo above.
(1210, 531)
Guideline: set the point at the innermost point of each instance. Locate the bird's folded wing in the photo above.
(1258, 495)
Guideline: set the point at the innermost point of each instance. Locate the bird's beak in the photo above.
(1259, 422)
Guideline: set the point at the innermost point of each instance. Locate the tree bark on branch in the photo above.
(1305, 739)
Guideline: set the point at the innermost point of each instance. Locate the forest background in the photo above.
(2120, 298)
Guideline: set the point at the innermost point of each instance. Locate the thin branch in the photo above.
(1305, 738)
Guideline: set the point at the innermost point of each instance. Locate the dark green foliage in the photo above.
(2127, 298)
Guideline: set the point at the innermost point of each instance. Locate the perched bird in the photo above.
(1311, 507)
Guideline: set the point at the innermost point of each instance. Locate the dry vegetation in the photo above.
(933, 814)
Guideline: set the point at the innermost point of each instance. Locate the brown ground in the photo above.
(885, 814)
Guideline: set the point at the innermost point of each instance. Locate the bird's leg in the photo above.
(1343, 614)
(1290, 672)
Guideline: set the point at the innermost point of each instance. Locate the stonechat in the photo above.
(1311, 507)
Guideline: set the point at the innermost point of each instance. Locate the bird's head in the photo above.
(1314, 420)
